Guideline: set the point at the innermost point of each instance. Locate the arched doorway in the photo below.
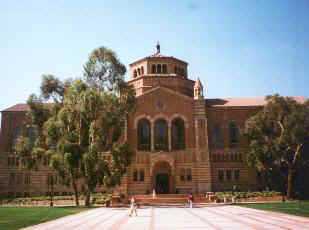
(162, 180)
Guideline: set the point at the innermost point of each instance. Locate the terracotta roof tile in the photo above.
(215, 102)
(17, 108)
(159, 55)
(255, 101)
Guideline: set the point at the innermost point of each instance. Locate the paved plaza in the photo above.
(172, 218)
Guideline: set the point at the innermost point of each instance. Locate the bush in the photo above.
(242, 195)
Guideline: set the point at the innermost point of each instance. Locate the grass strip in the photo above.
(298, 208)
(12, 218)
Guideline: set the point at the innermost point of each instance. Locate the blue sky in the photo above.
(237, 48)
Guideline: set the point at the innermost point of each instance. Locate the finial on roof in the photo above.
(198, 90)
(158, 47)
(198, 83)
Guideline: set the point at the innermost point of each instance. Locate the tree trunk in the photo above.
(52, 194)
(290, 182)
(87, 198)
(75, 191)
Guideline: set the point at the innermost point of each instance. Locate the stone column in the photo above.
(169, 132)
(152, 135)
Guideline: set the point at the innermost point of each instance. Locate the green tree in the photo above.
(32, 153)
(52, 88)
(85, 122)
(277, 135)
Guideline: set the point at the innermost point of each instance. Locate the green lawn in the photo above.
(19, 217)
(294, 207)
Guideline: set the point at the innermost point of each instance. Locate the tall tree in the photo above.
(52, 88)
(85, 122)
(277, 135)
(103, 70)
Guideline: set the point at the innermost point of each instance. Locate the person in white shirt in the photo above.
(133, 207)
(153, 194)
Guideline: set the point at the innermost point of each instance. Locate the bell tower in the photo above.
(160, 70)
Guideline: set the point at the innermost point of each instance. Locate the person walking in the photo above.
(190, 200)
(234, 194)
(153, 194)
(133, 207)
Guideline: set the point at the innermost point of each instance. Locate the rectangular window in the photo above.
(154, 69)
(27, 178)
(189, 174)
(182, 174)
(135, 175)
(19, 178)
(236, 174)
(12, 178)
(220, 175)
(228, 175)
(142, 175)
(164, 69)
(159, 68)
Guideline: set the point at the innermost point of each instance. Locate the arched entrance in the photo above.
(162, 180)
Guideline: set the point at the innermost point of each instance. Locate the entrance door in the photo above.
(162, 183)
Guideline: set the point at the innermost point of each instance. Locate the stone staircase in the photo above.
(166, 199)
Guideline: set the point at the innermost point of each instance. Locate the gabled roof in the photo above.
(17, 108)
(255, 101)
(167, 90)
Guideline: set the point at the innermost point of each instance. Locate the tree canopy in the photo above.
(277, 135)
(84, 123)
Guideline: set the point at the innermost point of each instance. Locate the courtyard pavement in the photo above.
(180, 218)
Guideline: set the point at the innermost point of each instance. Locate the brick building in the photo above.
(183, 142)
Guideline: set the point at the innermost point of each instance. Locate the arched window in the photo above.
(139, 71)
(161, 138)
(220, 175)
(176, 69)
(217, 137)
(236, 174)
(159, 68)
(142, 70)
(178, 134)
(233, 134)
(181, 71)
(228, 174)
(143, 135)
(154, 69)
(164, 68)
(134, 73)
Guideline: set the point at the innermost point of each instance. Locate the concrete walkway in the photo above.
(172, 218)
